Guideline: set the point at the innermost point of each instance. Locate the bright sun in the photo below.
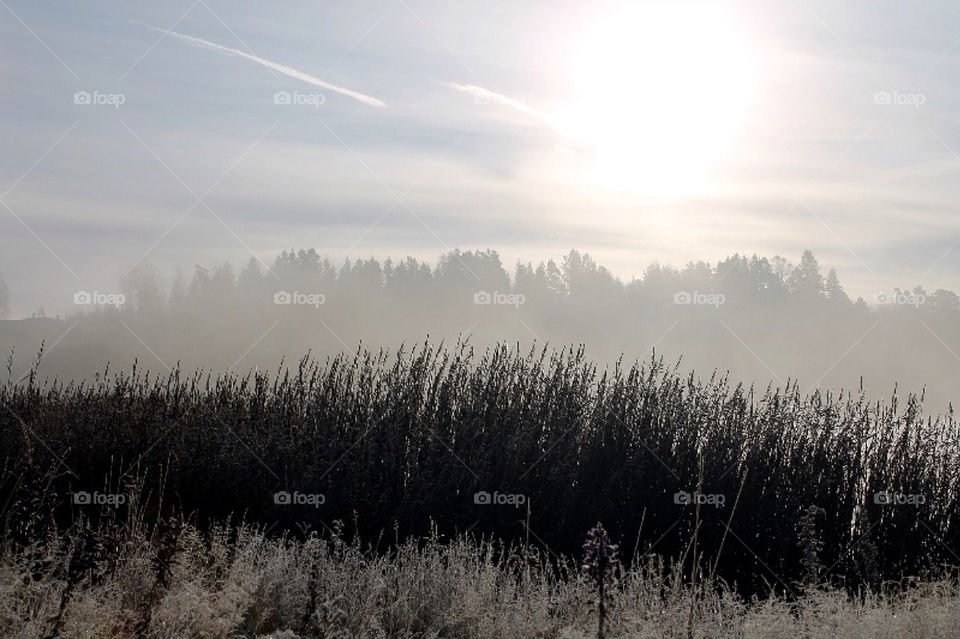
(658, 93)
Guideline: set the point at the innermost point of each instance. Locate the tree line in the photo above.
(577, 281)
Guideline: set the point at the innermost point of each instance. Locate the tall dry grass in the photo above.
(397, 441)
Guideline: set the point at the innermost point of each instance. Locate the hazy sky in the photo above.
(637, 132)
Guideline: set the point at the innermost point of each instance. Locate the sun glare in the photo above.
(658, 93)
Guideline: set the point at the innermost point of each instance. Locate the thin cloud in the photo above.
(492, 97)
(281, 68)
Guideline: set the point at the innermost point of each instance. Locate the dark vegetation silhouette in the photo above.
(402, 443)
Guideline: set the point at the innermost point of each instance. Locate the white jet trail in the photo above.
(492, 97)
(290, 71)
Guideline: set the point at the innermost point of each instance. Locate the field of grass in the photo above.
(176, 581)
(201, 505)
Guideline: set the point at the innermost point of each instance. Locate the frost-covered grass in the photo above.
(176, 581)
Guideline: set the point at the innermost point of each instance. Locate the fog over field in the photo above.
(761, 321)
(407, 318)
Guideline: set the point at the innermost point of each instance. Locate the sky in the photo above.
(197, 132)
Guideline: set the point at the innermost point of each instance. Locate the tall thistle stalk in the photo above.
(600, 558)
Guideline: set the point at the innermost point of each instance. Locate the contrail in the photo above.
(496, 98)
(290, 71)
